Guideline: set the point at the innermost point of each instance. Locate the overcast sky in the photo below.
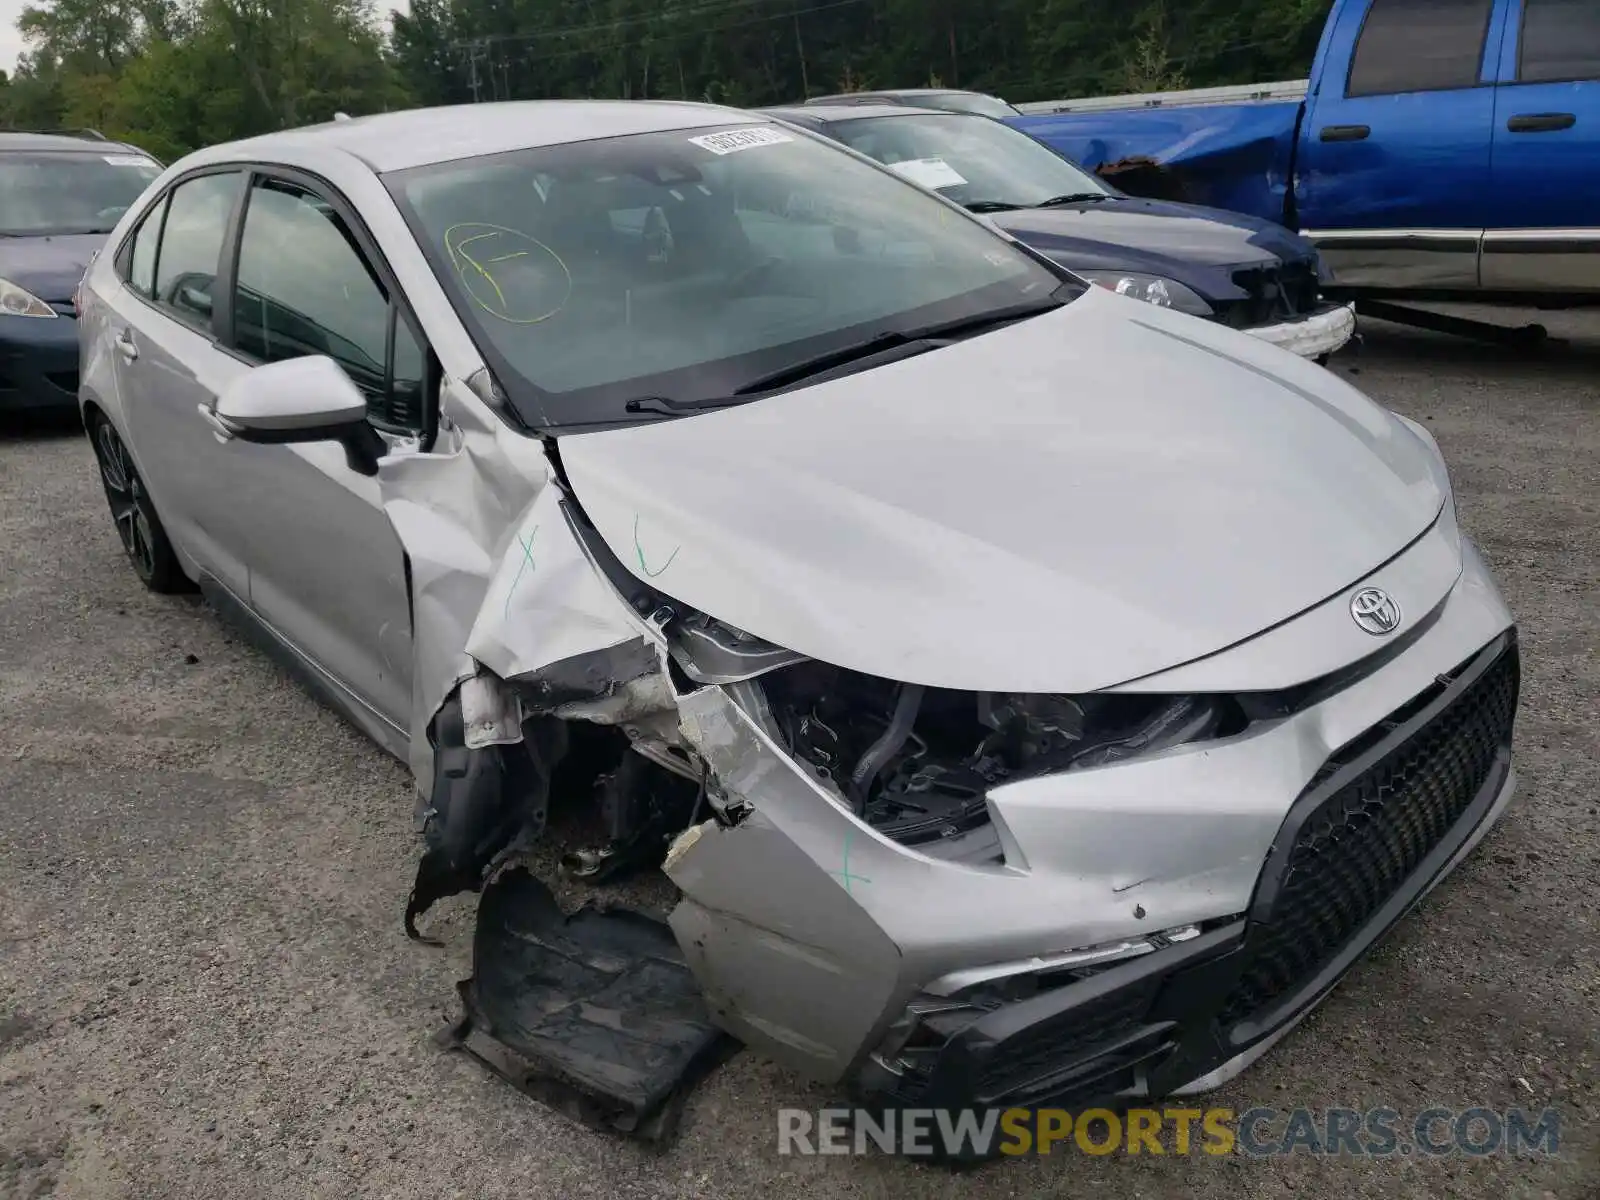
(11, 45)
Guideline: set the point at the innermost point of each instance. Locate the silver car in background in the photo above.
(1036, 696)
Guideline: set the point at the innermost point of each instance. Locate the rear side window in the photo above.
(1419, 46)
(1560, 41)
(306, 287)
(191, 245)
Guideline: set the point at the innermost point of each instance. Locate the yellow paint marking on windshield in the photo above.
(458, 253)
(468, 264)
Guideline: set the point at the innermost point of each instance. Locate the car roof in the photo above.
(419, 137)
(833, 114)
(869, 92)
(61, 142)
(884, 92)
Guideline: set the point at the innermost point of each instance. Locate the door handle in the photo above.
(1345, 133)
(125, 346)
(1541, 122)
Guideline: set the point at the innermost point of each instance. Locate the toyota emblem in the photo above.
(1375, 611)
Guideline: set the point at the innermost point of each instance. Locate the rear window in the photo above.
(967, 102)
(55, 192)
(1419, 46)
(1560, 41)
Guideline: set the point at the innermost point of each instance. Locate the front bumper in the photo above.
(1383, 822)
(816, 939)
(38, 363)
(1313, 335)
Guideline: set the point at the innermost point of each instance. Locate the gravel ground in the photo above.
(205, 989)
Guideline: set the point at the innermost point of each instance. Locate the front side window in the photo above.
(972, 160)
(1419, 46)
(59, 193)
(687, 264)
(1560, 41)
(304, 286)
(191, 244)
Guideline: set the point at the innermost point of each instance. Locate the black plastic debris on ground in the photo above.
(595, 1014)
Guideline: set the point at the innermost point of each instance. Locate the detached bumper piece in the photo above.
(1313, 335)
(594, 1014)
(1372, 831)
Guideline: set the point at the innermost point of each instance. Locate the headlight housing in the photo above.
(19, 302)
(1153, 289)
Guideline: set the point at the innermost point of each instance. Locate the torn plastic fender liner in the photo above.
(495, 749)
(509, 625)
(482, 800)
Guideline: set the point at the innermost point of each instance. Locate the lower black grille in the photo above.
(1364, 840)
(1052, 1047)
(1278, 292)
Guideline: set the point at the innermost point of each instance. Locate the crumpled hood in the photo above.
(49, 267)
(1058, 506)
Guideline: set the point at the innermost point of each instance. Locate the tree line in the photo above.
(174, 75)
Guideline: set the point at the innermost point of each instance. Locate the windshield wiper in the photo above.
(1072, 198)
(971, 324)
(991, 206)
(913, 341)
(665, 406)
(889, 339)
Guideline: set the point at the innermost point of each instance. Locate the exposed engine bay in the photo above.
(915, 763)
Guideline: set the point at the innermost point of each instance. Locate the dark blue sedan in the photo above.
(1253, 275)
(60, 194)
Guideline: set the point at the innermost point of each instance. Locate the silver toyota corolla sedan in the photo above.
(1035, 696)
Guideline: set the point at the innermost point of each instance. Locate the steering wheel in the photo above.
(112, 213)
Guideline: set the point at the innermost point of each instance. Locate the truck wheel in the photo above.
(143, 538)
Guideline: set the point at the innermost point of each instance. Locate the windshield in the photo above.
(60, 193)
(687, 264)
(969, 159)
(965, 102)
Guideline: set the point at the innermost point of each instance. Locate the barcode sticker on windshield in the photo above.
(731, 140)
(128, 160)
(929, 173)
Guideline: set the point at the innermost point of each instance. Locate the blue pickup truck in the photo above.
(1441, 149)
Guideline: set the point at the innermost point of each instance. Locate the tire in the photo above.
(133, 515)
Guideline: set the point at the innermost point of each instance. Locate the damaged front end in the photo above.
(801, 809)
(932, 896)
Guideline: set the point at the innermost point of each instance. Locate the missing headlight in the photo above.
(917, 763)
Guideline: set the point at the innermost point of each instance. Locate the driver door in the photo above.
(327, 572)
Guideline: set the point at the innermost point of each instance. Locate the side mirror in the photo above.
(308, 399)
